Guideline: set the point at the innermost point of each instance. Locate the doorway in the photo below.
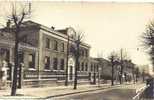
(70, 73)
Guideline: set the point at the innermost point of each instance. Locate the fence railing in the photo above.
(140, 92)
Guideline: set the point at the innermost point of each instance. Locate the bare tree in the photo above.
(137, 73)
(113, 59)
(78, 37)
(19, 13)
(123, 57)
(148, 40)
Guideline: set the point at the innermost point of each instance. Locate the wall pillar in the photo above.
(4, 74)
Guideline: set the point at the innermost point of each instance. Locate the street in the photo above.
(117, 93)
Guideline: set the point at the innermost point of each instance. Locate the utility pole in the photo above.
(112, 62)
(121, 72)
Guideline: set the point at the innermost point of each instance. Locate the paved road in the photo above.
(108, 94)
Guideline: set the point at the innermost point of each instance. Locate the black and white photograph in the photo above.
(76, 50)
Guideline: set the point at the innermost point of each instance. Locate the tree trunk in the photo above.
(76, 66)
(15, 71)
(20, 76)
(136, 78)
(94, 75)
(112, 74)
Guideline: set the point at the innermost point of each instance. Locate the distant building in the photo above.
(106, 70)
(93, 70)
(128, 70)
(147, 69)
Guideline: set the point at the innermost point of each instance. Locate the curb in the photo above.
(84, 91)
(59, 95)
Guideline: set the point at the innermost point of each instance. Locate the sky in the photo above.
(107, 26)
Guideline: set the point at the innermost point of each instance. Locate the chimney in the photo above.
(52, 27)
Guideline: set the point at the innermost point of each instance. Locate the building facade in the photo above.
(48, 57)
(106, 70)
(45, 53)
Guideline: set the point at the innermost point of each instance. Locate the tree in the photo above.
(113, 59)
(133, 72)
(143, 75)
(78, 37)
(148, 40)
(18, 14)
(137, 73)
(123, 57)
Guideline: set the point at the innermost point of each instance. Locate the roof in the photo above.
(102, 59)
(6, 35)
(61, 32)
(31, 24)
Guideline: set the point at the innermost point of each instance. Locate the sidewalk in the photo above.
(43, 92)
(53, 91)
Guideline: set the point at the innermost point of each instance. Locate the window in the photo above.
(86, 53)
(55, 45)
(97, 68)
(86, 67)
(47, 63)
(94, 67)
(55, 63)
(25, 38)
(72, 49)
(82, 52)
(79, 67)
(48, 43)
(31, 62)
(62, 47)
(91, 67)
(82, 67)
(62, 64)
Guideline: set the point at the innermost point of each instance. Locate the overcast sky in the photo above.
(107, 26)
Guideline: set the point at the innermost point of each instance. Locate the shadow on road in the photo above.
(114, 94)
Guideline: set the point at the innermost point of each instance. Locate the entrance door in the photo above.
(70, 73)
(71, 64)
